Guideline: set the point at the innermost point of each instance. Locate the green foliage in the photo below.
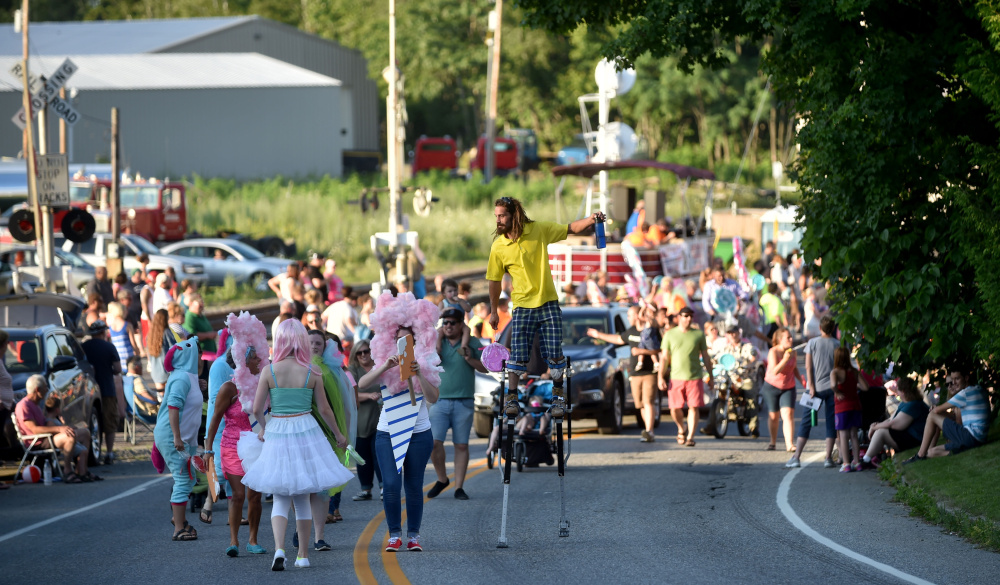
(230, 292)
(442, 52)
(900, 104)
(954, 492)
(323, 215)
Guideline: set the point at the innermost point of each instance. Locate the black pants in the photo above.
(368, 471)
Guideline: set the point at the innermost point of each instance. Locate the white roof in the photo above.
(783, 214)
(170, 71)
(112, 37)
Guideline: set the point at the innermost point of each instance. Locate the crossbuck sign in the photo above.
(48, 93)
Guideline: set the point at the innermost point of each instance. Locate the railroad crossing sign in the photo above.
(53, 180)
(46, 91)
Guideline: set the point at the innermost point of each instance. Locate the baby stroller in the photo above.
(531, 447)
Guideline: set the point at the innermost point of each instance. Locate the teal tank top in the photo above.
(285, 401)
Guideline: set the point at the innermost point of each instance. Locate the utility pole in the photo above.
(29, 139)
(62, 124)
(116, 218)
(494, 81)
(394, 144)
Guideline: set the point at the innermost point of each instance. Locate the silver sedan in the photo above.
(224, 257)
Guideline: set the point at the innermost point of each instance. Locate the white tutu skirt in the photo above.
(295, 458)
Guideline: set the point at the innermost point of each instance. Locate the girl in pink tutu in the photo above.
(295, 459)
(248, 334)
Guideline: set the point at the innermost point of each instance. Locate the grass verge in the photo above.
(956, 492)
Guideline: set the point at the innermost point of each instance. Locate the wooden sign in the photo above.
(407, 358)
(213, 481)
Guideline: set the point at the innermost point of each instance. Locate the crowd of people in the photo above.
(285, 421)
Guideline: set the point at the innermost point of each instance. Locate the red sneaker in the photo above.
(394, 544)
(414, 545)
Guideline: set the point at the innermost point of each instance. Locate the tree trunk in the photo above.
(772, 129)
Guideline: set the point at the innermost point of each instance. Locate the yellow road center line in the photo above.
(362, 568)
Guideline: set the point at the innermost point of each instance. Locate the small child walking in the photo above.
(847, 408)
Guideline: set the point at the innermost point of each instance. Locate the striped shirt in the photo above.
(975, 410)
(401, 419)
(121, 342)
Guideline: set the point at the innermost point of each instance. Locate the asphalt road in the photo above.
(640, 513)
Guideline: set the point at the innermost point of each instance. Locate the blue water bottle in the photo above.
(599, 230)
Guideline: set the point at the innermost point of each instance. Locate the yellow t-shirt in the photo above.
(527, 262)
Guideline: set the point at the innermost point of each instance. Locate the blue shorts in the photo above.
(547, 320)
(453, 413)
(846, 421)
(959, 438)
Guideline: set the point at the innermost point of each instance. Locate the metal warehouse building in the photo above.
(219, 115)
(207, 43)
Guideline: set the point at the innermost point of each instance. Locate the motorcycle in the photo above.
(737, 397)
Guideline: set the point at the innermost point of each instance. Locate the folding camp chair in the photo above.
(36, 446)
(132, 415)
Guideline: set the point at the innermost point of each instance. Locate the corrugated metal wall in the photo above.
(289, 44)
(209, 132)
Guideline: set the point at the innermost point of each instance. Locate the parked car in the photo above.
(93, 251)
(223, 257)
(600, 384)
(575, 153)
(42, 329)
(25, 256)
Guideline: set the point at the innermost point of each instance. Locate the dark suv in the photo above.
(42, 331)
(600, 386)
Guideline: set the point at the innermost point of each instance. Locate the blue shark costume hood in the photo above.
(183, 357)
(219, 373)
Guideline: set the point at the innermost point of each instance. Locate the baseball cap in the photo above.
(97, 327)
(453, 313)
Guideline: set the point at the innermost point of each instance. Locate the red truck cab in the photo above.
(435, 153)
(505, 155)
(149, 208)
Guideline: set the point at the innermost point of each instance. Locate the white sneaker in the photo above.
(793, 462)
(301, 563)
(278, 564)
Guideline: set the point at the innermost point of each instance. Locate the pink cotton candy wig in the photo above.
(291, 339)
(421, 316)
(247, 332)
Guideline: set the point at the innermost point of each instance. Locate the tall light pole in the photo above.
(495, 24)
(394, 143)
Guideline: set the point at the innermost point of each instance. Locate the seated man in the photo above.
(964, 419)
(74, 443)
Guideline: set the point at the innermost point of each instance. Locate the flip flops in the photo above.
(205, 516)
(72, 478)
(186, 533)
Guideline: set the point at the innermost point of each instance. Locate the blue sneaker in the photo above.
(256, 549)
(233, 551)
(321, 545)
(295, 539)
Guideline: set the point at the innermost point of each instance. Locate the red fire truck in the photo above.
(435, 153)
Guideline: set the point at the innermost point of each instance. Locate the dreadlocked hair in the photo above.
(514, 207)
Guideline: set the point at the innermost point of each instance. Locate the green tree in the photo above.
(900, 107)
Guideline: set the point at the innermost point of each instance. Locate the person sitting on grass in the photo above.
(904, 430)
(964, 419)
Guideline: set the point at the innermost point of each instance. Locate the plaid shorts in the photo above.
(547, 320)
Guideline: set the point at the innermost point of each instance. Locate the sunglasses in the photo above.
(449, 322)
(506, 201)
(364, 352)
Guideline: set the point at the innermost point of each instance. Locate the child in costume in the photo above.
(176, 433)
(228, 409)
(294, 458)
(403, 440)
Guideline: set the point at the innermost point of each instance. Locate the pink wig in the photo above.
(292, 339)
(421, 316)
(247, 332)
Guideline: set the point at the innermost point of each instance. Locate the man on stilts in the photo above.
(520, 248)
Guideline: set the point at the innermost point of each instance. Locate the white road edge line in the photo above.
(125, 494)
(797, 522)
